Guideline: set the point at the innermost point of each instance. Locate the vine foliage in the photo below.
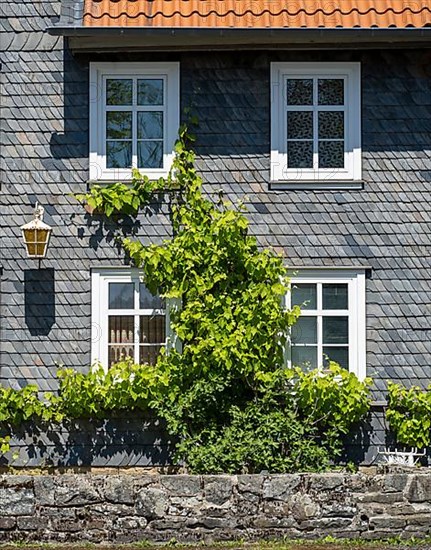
(409, 414)
(226, 394)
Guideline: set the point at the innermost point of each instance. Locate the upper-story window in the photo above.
(134, 119)
(315, 122)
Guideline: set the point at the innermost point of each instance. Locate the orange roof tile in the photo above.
(258, 14)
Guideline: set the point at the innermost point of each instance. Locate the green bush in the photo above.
(409, 414)
(296, 423)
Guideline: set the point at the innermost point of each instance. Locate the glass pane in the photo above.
(118, 125)
(148, 354)
(150, 91)
(118, 353)
(121, 329)
(304, 357)
(339, 355)
(150, 125)
(335, 296)
(331, 91)
(119, 91)
(121, 296)
(304, 295)
(152, 329)
(331, 154)
(304, 331)
(300, 154)
(118, 154)
(150, 154)
(299, 125)
(331, 125)
(335, 330)
(148, 300)
(300, 91)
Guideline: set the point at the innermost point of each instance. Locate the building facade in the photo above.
(342, 190)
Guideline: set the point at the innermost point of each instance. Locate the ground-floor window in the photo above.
(127, 320)
(332, 322)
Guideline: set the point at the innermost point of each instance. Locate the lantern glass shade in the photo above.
(36, 234)
(36, 241)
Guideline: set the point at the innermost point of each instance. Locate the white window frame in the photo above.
(100, 279)
(169, 72)
(351, 73)
(356, 281)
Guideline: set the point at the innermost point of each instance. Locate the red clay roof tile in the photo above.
(258, 14)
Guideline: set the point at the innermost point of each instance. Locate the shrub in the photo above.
(409, 414)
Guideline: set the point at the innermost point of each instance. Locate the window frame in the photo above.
(356, 281)
(351, 73)
(100, 279)
(169, 72)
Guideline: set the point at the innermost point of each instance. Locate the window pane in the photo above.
(121, 329)
(304, 357)
(118, 154)
(335, 330)
(331, 125)
(152, 329)
(335, 296)
(331, 154)
(150, 91)
(119, 91)
(304, 331)
(148, 354)
(304, 293)
(300, 154)
(339, 355)
(119, 125)
(121, 295)
(148, 300)
(300, 125)
(118, 353)
(150, 154)
(331, 91)
(300, 91)
(150, 125)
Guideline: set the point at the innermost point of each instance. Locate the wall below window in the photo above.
(124, 508)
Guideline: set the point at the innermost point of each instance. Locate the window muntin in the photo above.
(315, 122)
(128, 321)
(135, 114)
(134, 331)
(134, 118)
(332, 321)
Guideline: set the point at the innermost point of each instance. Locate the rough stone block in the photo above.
(281, 487)
(7, 523)
(418, 489)
(218, 489)
(16, 501)
(119, 490)
(76, 491)
(151, 503)
(182, 486)
(250, 484)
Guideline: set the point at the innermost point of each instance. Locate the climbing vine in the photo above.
(226, 394)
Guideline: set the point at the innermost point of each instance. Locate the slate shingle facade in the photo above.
(45, 309)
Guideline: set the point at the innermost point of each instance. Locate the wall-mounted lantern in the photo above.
(36, 234)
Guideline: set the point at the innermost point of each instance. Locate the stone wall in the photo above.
(123, 508)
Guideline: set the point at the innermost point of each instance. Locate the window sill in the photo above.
(316, 185)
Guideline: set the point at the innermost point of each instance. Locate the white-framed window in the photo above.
(134, 119)
(127, 320)
(315, 122)
(332, 323)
